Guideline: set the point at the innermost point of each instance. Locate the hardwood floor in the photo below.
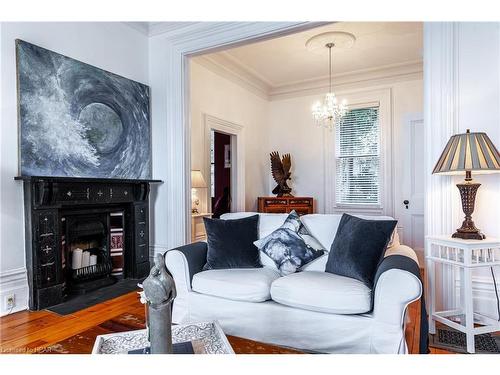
(31, 332)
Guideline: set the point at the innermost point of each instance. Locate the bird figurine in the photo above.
(280, 169)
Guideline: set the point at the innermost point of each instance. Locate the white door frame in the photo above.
(441, 121)
(170, 112)
(408, 184)
(237, 159)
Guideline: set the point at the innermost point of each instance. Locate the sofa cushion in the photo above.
(245, 284)
(322, 227)
(322, 292)
(318, 264)
(230, 243)
(358, 247)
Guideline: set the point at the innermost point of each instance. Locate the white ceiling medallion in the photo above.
(329, 113)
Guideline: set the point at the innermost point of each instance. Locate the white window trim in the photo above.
(383, 99)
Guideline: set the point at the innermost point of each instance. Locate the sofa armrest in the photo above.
(402, 250)
(397, 284)
(186, 261)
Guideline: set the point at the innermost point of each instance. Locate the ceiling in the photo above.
(286, 60)
(155, 28)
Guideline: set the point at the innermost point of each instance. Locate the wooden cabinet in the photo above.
(301, 205)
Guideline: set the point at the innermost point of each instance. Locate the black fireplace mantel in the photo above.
(83, 179)
(48, 199)
(63, 191)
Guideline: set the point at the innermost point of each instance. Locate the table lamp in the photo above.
(468, 152)
(197, 182)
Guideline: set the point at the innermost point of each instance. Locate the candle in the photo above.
(76, 258)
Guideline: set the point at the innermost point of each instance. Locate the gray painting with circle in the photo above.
(78, 120)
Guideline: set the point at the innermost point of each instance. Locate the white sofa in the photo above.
(311, 310)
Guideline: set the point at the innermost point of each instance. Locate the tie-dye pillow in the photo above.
(291, 246)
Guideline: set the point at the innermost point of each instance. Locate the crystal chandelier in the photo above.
(329, 113)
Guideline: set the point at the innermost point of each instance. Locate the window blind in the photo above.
(357, 154)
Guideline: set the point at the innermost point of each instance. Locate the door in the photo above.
(412, 212)
(230, 161)
(220, 178)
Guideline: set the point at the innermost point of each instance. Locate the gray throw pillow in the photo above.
(291, 246)
(358, 247)
(230, 243)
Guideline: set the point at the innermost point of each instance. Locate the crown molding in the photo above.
(172, 28)
(408, 71)
(142, 27)
(150, 29)
(227, 66)
(245, 68)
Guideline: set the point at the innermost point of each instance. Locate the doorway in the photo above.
(220, 173)
(224, 158)
(412, 214)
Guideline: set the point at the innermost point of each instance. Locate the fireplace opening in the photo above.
(93, 250)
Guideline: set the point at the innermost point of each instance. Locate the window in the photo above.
(357, 159)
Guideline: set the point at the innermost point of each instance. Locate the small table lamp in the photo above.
(197, 182)
(466, 153)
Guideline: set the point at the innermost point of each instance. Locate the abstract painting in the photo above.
(77, 120)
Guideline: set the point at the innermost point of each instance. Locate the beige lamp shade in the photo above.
(197, 180)
(469, 152)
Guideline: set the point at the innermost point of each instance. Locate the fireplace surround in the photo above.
(108, 218)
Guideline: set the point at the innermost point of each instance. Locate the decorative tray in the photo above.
(207, 334)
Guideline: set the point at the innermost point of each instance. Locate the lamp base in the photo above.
(469, 235)
(468, 230)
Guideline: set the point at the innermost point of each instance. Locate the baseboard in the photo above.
(14, 282)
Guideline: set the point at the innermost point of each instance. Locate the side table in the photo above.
(198, 232)
(466, 255)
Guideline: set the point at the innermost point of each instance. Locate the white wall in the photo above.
(462, 91)
(479, 110)
(292, 130)
(216, 96)
(111, 46)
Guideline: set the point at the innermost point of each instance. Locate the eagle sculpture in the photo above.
(280, 168)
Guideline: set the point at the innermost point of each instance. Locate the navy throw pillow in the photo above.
(230, 243)
(358, 247)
